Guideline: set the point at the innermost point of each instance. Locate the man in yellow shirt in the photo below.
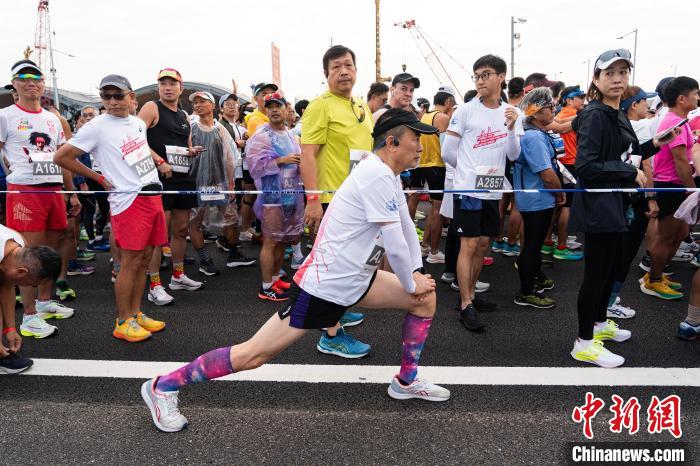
(336, 135)
(258, 117)
(431, 171)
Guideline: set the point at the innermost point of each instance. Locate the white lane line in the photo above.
(564, 376)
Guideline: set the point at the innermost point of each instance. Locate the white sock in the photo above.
(275, 278)
(584, 343)
(266, 286)
(296, 250)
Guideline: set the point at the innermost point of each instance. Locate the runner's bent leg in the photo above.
(386, 292)
(465, 267)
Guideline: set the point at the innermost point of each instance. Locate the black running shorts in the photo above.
(475, 223)
(309, 312)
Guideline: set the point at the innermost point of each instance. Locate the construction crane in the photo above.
(377, 42)
(42, 46)
(425, 47)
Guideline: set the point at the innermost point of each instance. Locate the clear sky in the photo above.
(214, 41)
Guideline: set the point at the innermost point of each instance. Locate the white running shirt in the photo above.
(30, 140)
(481, 159)
(119, 145)
(349, 245)
(6, 235)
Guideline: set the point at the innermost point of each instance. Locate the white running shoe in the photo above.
(163, 407)
(681, 256)
(420, 388)
(617, 311)
(610, 331)
(246, 236)
(34, 326)
(481, 287)
(184, 283)
(692, 248)
(597, 354)
(420, 215)
(424, 251)
(447, 277)
(158, 296)
(437, 258)
(53, 309)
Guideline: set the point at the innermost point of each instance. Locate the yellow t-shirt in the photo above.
(431, 155)
(255, 119)
(333, 122)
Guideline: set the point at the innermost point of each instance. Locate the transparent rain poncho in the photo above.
(213, 171)
(281, 214)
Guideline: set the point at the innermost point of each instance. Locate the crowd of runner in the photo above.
(330, 176)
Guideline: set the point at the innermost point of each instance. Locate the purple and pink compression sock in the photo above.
(415, 331)
(211, 365)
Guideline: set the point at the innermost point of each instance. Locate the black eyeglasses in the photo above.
(484, 76)
(109, 96)
(362, 115)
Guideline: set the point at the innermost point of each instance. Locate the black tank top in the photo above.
(173, 129)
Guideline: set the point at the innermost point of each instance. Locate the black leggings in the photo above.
(89, 208)
(535, 226)
(603, 257)
(634, 238)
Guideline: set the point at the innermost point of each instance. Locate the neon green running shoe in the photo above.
(64, 292)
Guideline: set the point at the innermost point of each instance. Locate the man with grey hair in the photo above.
(25, 266)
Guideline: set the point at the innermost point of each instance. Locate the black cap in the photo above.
(661, 86)
(259, 87)
(405, 77)
(398, 117)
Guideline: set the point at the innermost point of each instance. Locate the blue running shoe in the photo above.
(296, 264)
(497, 246)
(350, 319)
(97, 246)
(343, 345)
(687, 331)
(511, 251)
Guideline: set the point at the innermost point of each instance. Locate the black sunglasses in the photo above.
(617, 53)
(109, 96)
(362, 115)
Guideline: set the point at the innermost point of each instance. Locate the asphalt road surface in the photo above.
(67, 420)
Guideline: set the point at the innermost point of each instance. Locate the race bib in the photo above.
(178, 158)
(208, 193)
(141, 162)
(489, 177)
(375, 257)
(289, 179)
(357, 156)
(44, 170)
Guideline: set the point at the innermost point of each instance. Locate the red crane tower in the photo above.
(42, 46)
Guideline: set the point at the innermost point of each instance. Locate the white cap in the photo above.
(447, 90)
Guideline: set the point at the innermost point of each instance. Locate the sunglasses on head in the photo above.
(618, 53)
(113, 95)
(24, 76)
(273, 96)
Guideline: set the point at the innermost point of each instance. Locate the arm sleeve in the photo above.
(450, 148)
(315, 123)
(261, 156)
(589, 148)
(513, 139)
(411, 237)
(396, 247)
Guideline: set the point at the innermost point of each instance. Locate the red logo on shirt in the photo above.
(130, 145)
(489, 137)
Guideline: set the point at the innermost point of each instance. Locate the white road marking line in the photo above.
(562, 376)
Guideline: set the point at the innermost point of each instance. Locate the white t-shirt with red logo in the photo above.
(481, 160)
(349, 245)
(119, 145)
(30, 140)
